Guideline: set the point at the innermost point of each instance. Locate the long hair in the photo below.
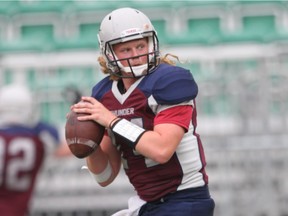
(103, 64)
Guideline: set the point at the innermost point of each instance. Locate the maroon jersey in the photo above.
(165, 96)
(22, 151)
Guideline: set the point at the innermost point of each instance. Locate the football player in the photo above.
(148, 106)
(24, 143)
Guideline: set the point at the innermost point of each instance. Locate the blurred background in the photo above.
(238, 54)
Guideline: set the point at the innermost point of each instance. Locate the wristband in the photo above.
(103, 176)
(113, 121)
(129, 131)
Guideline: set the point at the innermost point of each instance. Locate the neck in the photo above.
(128, 82)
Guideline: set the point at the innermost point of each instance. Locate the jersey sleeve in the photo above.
(175, 86)
(179, 115)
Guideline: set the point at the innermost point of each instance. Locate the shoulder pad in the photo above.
(47, 129)
(101, 88)
(174, 85)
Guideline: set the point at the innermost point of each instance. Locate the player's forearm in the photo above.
(102, 169)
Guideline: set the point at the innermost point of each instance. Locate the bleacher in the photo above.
(238, 54)
(56, 25)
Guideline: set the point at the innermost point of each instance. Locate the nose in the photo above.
(135, 53)
(135, 59)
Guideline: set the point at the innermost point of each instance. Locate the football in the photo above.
(82, 137)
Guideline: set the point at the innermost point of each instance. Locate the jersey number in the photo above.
(17, 165)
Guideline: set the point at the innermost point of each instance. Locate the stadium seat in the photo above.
(42, 6)
(202, 31)
(259, 29)
(42, 34)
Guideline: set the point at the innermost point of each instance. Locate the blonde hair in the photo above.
(103, 64)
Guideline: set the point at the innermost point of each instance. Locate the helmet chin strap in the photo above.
(137, 70)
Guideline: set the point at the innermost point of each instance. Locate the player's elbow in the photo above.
(162, 156)
(105, 184)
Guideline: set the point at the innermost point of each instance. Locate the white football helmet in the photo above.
(16, 106)
(126, 24)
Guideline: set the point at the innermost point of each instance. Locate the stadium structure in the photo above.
(238, 54)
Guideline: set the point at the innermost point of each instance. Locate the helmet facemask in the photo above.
(115, 65)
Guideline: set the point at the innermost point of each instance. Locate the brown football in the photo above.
(82, 137)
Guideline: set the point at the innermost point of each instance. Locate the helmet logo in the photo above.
(146, 26)
(131, 31)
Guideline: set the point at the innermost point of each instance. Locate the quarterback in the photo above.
(147, 105)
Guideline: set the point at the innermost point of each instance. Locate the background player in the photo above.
(148, 107)
(24, 144)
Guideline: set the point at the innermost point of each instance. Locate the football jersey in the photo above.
(22, 151)
(166, 90)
